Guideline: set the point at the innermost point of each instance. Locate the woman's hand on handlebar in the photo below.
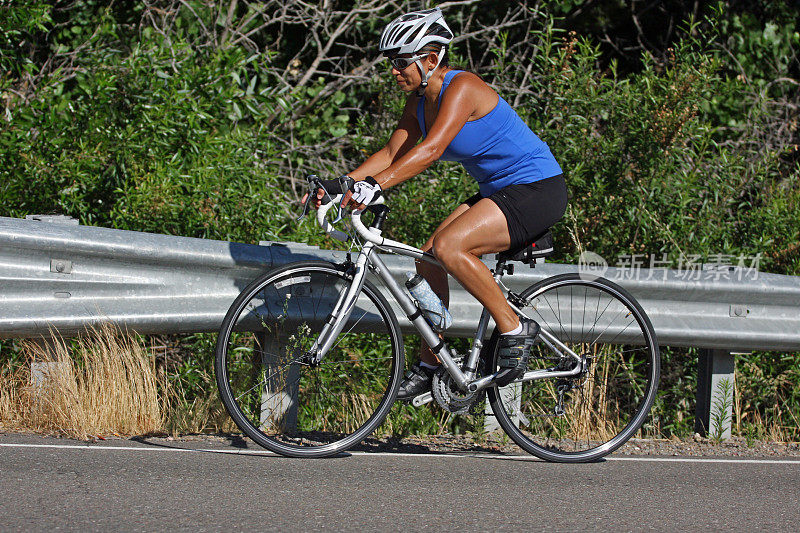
(357, 194)
(332, 187)
(315, 202)
(348, 201)
(362, 193)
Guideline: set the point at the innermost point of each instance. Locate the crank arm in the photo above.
(422, 399)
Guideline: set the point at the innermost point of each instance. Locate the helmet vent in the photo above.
(412, 36)
(409, 33)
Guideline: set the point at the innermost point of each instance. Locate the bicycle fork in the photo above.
(341, 310)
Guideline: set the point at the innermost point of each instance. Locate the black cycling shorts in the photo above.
(530, 208)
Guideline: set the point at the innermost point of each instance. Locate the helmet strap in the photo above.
(427, 76)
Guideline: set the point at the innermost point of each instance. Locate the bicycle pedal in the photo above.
(422, 399)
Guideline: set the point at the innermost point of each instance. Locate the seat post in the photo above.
(501, 267)
(541, 247)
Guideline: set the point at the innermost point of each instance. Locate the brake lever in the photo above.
(305, 209)
(312, 190)
(347, 185)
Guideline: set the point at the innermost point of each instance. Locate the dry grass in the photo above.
(750, 421)
(592, 415)
(105, 383)
(201, 414)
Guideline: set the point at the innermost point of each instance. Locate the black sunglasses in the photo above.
(401, 63)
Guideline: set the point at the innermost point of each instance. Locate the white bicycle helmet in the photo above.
(409, 33)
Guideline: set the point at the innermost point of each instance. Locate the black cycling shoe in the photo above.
(514, 351)
(416, 382)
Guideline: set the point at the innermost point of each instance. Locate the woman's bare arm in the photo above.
(459, 103)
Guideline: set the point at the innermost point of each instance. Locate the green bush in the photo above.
(168, 120)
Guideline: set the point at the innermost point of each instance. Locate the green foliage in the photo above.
(688, 146)
(18, 24)
(646, 174)
(767, 402)
(720, 410)
(11, 351)
(674, 408)
(163, 138)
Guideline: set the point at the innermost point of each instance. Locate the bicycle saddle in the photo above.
(542, 246)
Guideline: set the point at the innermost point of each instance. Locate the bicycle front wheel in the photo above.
(587, 416)
(273, 392)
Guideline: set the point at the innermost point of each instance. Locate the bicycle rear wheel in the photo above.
(584, 417)
(267, 383)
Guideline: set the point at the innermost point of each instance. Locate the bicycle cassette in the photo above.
(449, 396)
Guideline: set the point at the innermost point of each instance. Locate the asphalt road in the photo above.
(58, 484)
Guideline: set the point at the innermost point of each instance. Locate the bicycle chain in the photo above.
(449, 396)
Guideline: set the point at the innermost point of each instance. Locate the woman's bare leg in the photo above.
(479, 230)
(437, 278)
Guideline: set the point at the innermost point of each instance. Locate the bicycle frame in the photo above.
(367, 258)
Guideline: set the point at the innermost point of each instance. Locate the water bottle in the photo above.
(431, 305)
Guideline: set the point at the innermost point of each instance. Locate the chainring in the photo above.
(449, 396)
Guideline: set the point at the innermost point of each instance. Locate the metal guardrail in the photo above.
(55, 274)
(66, 276)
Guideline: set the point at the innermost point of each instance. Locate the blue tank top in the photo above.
(498, 149)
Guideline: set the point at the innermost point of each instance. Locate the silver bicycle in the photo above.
(310, 355)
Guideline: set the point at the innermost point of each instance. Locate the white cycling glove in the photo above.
(366, 191)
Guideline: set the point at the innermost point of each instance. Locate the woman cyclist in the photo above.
(522, 190)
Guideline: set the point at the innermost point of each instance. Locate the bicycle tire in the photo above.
(607, 403)
(287, 406)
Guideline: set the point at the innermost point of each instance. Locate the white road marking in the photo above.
(163, 448)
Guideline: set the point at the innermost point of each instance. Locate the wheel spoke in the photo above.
(284, 403)
(607, 403)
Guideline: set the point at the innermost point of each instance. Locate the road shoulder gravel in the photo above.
(457, 444)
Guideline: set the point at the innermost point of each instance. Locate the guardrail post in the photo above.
(715, 386)
(511, 395)
(45, 368)
(279, 397)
